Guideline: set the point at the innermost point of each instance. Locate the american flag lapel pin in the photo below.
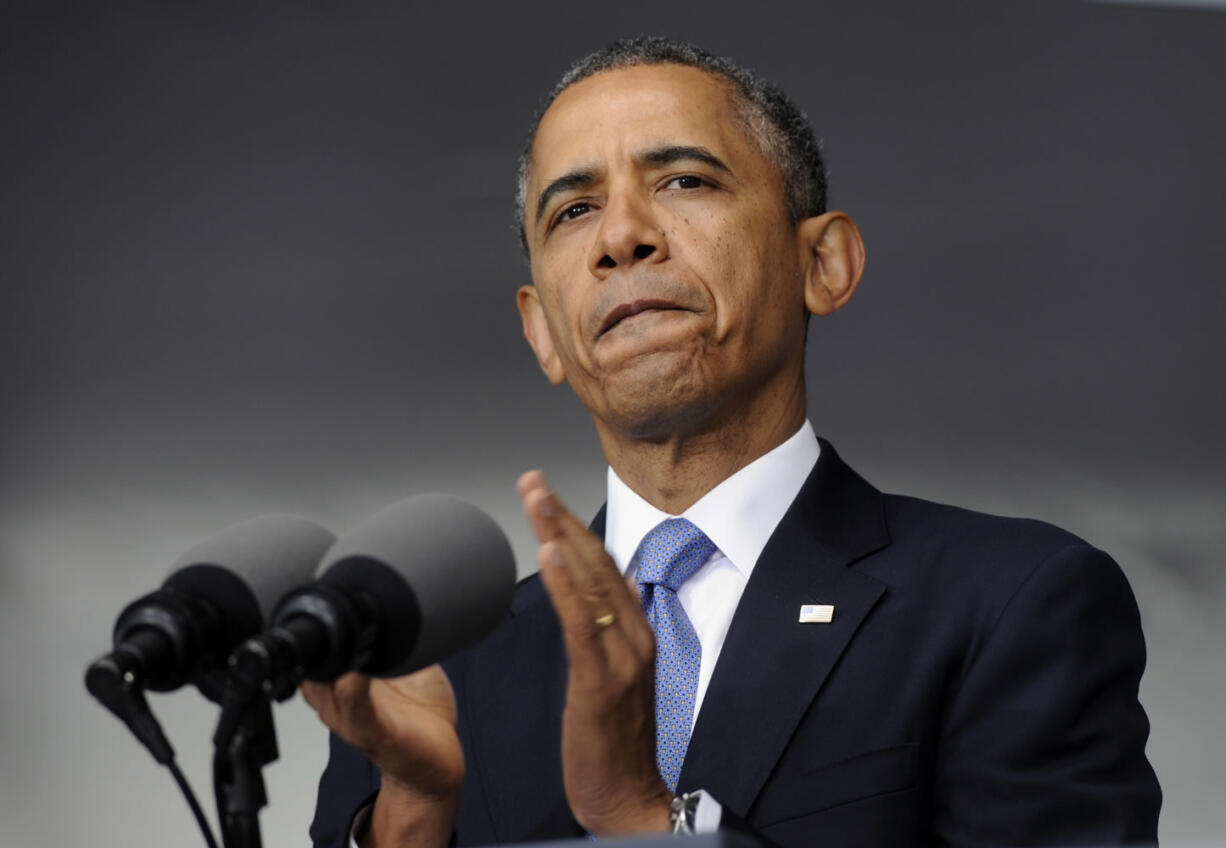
(817, 613)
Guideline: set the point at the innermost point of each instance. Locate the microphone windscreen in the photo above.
(454, 570)
(245, 569)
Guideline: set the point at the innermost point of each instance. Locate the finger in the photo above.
(343, 705)
(580, 535)
(550, 517)
(529, 480)
(533, 493)
(547, 508)
(325, 700)
(319, 697)
(600, 572)
(633, 587)
(620, 645)
(592, 570)
(540, 509)
(576, 597)
(597, 574)
(553, 522)
(581, 635)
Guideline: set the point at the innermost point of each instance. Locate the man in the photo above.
(833, 665)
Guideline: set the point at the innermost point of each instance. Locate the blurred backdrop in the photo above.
(258, 257)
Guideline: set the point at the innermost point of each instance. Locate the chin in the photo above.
(656, 410)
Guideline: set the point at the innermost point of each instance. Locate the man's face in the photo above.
(668, 283)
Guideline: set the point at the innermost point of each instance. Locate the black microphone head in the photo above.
(222, 591)
(439, 573)
(270, 555)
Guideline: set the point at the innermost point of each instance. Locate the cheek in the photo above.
(764, 298)
(563, 311)
(742, 270)
(716, 248)
(560, 327)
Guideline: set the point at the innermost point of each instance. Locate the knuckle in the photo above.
(582, 630)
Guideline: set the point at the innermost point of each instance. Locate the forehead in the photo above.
(618, 112)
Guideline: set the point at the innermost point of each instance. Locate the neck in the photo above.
(674, 472)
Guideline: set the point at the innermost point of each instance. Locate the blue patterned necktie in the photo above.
(668, 556)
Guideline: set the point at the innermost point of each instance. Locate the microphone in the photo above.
(413, 584)
(219, 593)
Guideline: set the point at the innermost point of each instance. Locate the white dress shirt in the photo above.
(739, 516)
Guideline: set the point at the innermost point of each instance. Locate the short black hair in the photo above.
(770, 117)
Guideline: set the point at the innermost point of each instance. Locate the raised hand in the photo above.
(608, 725)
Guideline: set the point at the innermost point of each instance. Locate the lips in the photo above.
(623, 311)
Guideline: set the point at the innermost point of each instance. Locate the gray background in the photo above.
(257, 257)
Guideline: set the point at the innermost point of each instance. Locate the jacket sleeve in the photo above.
(348, 784)
(1044, 739)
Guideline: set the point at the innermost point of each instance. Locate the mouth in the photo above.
(624, 311)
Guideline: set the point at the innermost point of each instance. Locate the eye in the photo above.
(573, 211)
(686, 181)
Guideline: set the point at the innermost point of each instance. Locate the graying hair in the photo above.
(781, 130)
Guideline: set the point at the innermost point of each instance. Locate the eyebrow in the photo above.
(668, 155)
(578, 178)
(680, 153)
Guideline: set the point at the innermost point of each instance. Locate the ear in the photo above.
(832, 259)
(536, 331)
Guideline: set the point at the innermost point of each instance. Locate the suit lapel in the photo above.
(771, 666)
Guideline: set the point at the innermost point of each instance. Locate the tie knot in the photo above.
(672, 552)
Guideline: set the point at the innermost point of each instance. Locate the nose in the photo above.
(628, 234)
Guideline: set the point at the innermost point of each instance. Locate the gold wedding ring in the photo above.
(605, 620)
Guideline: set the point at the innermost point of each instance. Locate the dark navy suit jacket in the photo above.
(977, 686)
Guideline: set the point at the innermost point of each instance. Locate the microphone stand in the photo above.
(244, 742)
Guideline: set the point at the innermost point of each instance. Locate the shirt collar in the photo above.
(739, 515)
